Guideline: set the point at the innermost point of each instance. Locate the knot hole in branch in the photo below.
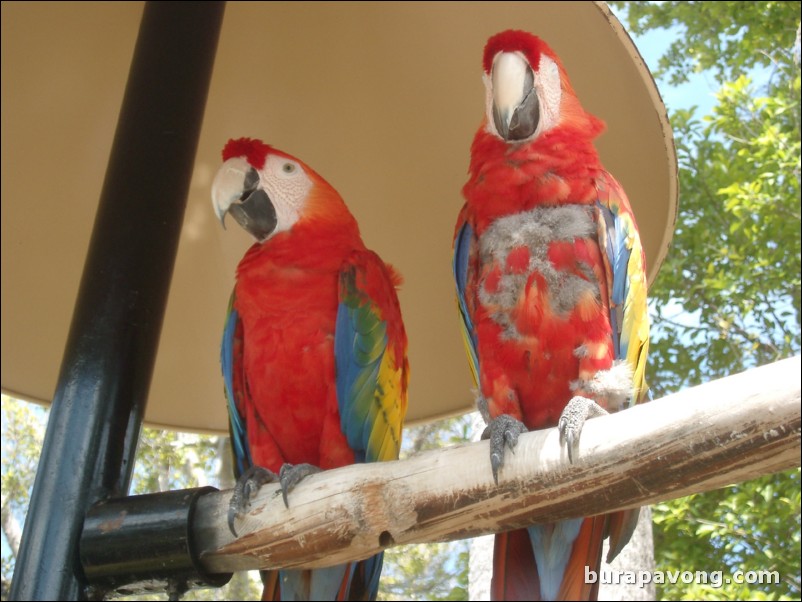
(386, 540)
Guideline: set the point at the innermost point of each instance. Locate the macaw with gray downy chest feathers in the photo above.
(314, 351)
(551, 289)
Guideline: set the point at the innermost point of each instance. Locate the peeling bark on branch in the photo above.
(703, 438)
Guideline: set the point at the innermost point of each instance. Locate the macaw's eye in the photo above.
(288, 168)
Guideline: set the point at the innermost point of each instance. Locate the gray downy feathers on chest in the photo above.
(536, 229)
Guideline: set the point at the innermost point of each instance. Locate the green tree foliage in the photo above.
(734, 266)
(752, 527)
(436, 571)
(723, 38)
(22, 435)
(728, 295)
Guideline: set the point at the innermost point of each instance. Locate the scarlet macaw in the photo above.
(314, 348)
(551, 289)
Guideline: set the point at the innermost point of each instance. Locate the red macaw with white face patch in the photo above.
(551, 285)
(314, 349)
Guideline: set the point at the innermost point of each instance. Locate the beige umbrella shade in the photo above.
(382, 99)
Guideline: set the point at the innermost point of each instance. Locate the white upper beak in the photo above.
(228, 185)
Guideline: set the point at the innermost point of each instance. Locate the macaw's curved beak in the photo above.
(516, 109)
(236, 190)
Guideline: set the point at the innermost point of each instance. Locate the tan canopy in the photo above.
(382, 99)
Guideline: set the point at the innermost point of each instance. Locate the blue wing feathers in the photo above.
(462, 248)
(551, 545)
(360, 343)
(618, 259)
(229, 362)
(317, 584)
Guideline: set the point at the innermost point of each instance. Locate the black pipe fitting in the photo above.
(144, 544)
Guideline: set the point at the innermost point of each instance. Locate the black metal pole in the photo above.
(108, 361)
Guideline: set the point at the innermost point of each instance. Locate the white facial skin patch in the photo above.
(287, 185)
(549, 92)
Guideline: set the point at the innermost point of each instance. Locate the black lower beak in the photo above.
(524, 121)
(255, 213)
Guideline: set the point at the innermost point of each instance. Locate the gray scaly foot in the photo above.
(247, 485)
(290, 475)
(573, 418)
(502, 431)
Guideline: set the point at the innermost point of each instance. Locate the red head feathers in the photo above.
(516, 40)
(255, 151)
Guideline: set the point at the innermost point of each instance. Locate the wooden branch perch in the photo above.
(704, 438)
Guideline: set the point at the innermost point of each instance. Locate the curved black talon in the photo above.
(247, 485)
(292, 474)
(502, 431)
